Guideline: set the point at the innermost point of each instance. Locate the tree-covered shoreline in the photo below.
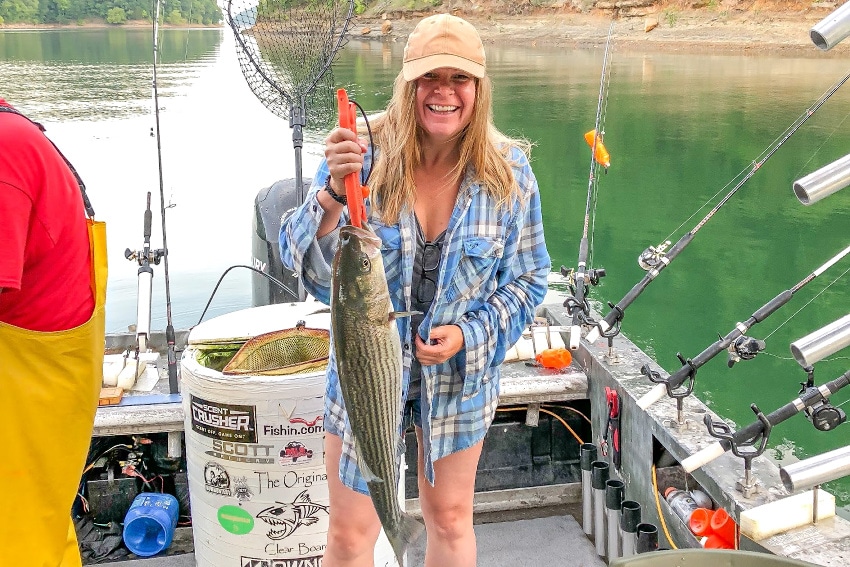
(111, 12)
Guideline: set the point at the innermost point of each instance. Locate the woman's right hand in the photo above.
(344, 153)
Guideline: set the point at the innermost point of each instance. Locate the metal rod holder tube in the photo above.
(629, 521)
(143, 308)
(587, 454)
(646, 538)
(598, 478)
(822, 343)
(829, 32)
(824, 182)
(614, 490)
(816, 470)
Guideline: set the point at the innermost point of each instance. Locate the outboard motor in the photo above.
(269, 206)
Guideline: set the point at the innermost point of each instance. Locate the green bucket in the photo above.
(706, 558)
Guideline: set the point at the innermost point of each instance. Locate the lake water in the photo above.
(679, 128)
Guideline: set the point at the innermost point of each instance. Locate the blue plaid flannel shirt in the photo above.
(493, 275)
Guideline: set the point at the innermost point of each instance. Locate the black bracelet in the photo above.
(341, 199)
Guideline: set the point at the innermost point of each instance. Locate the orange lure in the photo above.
(354, 192)
(600, 154)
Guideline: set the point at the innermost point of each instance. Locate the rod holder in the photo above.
(614, 491)
(816, 470)
(599, 476)
(587, 454)
(829, 32)
(822, 343)
(823, 182)
(646, 538)
(629, 520)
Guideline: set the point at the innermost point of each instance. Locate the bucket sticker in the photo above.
(290, 479)
(315, 561)
(242, 490)
(228, 422)
(298, 426)
(295, 452)
(235, 520)
(286, 518)
(242, 452)
(216, 479)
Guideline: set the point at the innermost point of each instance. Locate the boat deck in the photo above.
(552, 540)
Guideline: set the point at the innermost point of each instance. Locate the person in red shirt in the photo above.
(52, 292)
(44, 266)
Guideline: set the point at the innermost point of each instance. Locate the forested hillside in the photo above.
(116, 12)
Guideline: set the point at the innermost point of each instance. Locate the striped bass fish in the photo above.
(369, 363)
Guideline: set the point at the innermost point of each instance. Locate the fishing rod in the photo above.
(169, 329)
(812, 399)
(146, 256)
(655, 258)
(740, 347)
(579, 278)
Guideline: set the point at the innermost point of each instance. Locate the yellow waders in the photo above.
(49, 386)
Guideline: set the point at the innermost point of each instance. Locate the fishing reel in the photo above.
(823, 415)
(591, 276)
(653, 256)
(744, 348)
(147, 256)
(574, 306)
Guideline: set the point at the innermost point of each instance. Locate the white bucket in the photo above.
(255, 453)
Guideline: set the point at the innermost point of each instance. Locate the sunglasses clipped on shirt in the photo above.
(430, 264)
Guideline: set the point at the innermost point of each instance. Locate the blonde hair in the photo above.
(397, 135)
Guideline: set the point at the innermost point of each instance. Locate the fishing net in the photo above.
(285, 50)
(289, 351)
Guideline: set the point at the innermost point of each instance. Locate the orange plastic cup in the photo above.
(716, 542)
(723, 526)
(700, 521)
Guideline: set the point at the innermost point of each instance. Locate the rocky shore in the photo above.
(727, 26)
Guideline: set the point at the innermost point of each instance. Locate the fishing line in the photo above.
(844, 273)
(828, 138)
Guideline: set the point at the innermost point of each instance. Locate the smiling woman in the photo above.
(457, 210)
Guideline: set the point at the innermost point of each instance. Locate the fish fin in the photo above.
(367, 473)
(396, 314)
(409, 530)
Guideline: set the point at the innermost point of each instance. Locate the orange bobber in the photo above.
(600, 153)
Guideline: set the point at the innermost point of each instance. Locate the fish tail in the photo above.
(409, 531)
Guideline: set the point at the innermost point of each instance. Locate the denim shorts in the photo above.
(413, 407)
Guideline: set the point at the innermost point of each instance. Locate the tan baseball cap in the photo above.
(443, 41)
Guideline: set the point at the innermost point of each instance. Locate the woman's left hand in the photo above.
(445, 342)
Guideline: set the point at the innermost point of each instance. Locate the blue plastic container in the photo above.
(150, 522)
